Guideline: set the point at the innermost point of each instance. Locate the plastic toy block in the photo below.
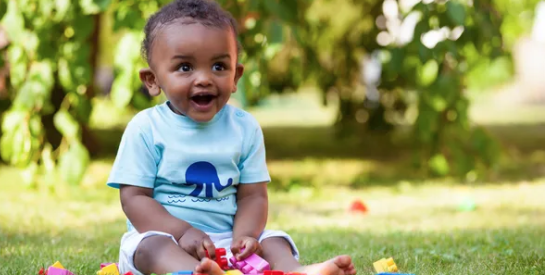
(233, 272)
(183, 272)
(109, 270)
(102, 265)
(220, 258)
(385, 265)
(128, 273)
(58, 271)
(251, 265)
(58, 264)
(273, 272)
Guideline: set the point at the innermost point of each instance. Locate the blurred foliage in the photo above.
(50, 62)
(383, 70)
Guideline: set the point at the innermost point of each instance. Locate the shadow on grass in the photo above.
(393, 152)
(506, 251)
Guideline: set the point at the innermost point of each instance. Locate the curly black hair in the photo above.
(206, 12)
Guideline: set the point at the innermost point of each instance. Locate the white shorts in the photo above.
(131, 240)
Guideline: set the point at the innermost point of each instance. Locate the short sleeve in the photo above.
(253, 166)
(135, 162)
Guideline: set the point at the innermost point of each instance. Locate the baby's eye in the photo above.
(218, 67)
(185, 67)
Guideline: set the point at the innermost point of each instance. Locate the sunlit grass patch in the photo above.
(419, 225)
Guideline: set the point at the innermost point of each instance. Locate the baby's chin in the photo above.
(202, 118)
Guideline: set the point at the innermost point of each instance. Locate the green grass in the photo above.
(417, 224)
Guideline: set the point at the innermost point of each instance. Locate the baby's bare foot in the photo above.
(207, 266)
(340, 265)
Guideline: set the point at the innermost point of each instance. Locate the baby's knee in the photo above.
(150, 249)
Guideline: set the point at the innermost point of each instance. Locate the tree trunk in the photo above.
(88, 138)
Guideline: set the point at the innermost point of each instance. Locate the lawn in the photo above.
(416, 221)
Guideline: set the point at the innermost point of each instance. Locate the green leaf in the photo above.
(128, 17)
(46, 8)
(65, 75)
(83, 107)
(3, 8)
(6, 146)
(94, 6)
(439, 165)
(35, 92)
(35, 125)
(14, 19)
(428, 73)
(12, 120)
(73, 163)
(66, 124)
(21, 146)
(42, 73)
(122, 93)
(62, 7)
(32, 41)
(128, 50)
(18, 65)
(438, 103)
(456, 12)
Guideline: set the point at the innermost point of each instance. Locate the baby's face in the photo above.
(196, 67)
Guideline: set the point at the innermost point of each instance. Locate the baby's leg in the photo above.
(277, 251)
(160, 255)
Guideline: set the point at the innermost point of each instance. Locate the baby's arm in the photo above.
(146, 214)
(251, 216)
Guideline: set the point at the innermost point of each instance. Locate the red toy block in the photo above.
(220, 258)
(128, 273)
(358, 206)
(273, 272)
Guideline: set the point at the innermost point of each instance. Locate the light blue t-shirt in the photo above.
(194, 168)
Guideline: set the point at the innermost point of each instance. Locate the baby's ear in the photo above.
(148, 78)
(238, 74)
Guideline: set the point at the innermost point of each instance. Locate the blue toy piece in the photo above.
(183, 272)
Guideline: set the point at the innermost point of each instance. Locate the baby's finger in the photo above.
(249, 249)
(236, 247)
(210, 247)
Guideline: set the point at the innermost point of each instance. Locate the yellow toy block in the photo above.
(109, 270)
(58, 264)
(233, 272)
(385, 265)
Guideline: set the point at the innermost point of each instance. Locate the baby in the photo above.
(191, 172)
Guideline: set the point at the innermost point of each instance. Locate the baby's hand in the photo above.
(247, 245)
(195, 242)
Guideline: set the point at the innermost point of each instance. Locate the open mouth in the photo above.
(203, 99)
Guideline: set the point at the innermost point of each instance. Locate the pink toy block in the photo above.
(251, 265)
(58, 271)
